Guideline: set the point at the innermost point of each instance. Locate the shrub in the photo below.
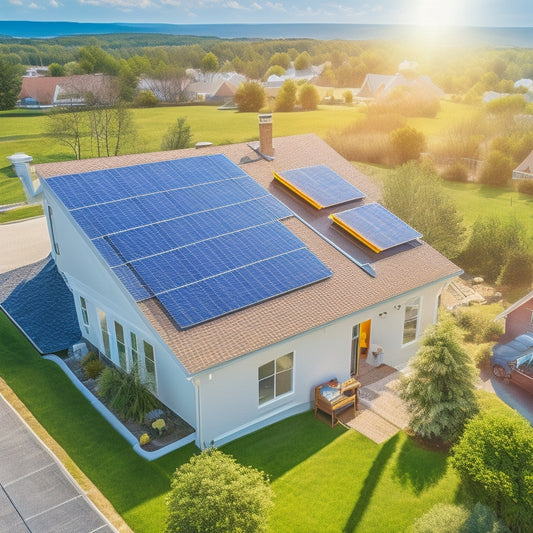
(497, 169)
(212, 492)
(286, 98)
(407, 143)
(145, 99)
(478, 325)
(125, 393)
(455, 172)
(450, 518)
(481, 355)
(93, 368)
(348, 97)
(493, 459)
(144, 439)
(444, 518)
(250, 96)
(308, 97)
(90, 356)
(439, 393)
(518, 269)
(178, 136)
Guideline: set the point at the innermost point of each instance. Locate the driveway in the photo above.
(23, 242)
(37, 494)
(513, 396)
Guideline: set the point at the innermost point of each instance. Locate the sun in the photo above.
(439, 13)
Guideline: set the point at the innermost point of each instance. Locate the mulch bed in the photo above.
(176, 428)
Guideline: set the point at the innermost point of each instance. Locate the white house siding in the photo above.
(87, 275)
(228, 395)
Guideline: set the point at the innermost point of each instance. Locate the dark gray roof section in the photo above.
(38, 300)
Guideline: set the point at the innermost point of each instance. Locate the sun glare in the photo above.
(439, 13)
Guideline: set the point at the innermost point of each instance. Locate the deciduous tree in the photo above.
(10, 84)
(407, 143)
(286, 98)
(308, 97)
(414, 192)
(177, 136)
(250, 96)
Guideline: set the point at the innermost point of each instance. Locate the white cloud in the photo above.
(276, 6)
(53, 3)
(232, 4)
(121, 4)
(174, 3)
(15, 2)
(256, 6)
(33, 5)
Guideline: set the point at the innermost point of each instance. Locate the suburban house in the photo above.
(236, 278)
(518, 318)
(524, 171)
(48, 91)
(381, 86)
(220, 88)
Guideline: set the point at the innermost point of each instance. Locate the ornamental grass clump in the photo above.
(125, 393)
(91, 365)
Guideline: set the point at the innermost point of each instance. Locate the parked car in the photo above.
(514, 360)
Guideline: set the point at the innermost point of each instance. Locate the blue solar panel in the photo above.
(322, 185)
(157, 238)
(377, 226)
(209, 258)
(198, 233)
(237, 289)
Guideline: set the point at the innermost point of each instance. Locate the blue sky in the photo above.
(423, 12)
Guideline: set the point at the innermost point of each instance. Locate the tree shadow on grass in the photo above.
(419, 468)
(370, 483)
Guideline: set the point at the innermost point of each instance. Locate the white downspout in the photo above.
(199, 426)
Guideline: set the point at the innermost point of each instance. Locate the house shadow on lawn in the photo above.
(418, 467)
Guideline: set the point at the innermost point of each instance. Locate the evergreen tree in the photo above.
(178, 136)
(10, 84)
(439, 393)
(212, 492)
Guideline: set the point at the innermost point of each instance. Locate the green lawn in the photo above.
(323, 479)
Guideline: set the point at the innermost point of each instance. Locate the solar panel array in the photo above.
(319, 185)
(198, 233)
(375, 226)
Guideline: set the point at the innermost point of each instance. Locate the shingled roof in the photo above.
(349, 290)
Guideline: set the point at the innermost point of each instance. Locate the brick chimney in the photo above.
(265, 134)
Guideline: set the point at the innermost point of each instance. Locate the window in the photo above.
(410, 324)
(50, 217)
(105, 333)
(149, 366)
(121, 346)
(84, 314)
(275, 378)
(134, 352)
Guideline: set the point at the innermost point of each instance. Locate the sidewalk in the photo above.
(37, 494)
(23, 242)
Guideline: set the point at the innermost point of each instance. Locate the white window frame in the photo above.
(416, 300)
(274, 377)
(85, 315)
(104, 334)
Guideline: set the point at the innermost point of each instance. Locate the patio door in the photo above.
(360, 342)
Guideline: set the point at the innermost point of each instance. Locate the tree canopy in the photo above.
(212, 492)
(414, 192)
(250, 96)
(10, 84)
(286, 98)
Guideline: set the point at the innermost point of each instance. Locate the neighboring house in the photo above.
(51, 91)
(518, 318)
(219, 88)
(220, 276)
(524, 171)
(381, 86)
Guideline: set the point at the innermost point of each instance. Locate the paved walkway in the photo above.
(23, 243)
(37, 494)
(381, 414)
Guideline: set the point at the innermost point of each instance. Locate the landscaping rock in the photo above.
(478, 280)
(152, 416)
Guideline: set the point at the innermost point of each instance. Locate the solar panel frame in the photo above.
(376, 226)
(320, 186)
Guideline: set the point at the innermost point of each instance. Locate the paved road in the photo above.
(23, 243)
(37, 494)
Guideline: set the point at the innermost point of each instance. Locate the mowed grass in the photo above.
(324, 479)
